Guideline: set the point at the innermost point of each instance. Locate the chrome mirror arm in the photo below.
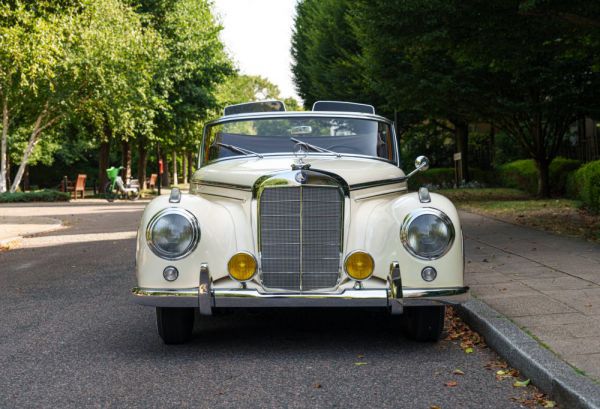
(421, 165)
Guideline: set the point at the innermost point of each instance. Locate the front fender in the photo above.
(218, 239)
(376, 228)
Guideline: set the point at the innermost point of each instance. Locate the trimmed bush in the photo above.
(45, 195)
(441, 177)
(522, 174)
(444, 178)
(586, 184)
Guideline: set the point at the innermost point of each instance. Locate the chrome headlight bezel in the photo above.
(190, 218)
(427, 211)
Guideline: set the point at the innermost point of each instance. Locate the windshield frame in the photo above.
(299, 115)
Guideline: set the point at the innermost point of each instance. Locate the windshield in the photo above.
(344, 136)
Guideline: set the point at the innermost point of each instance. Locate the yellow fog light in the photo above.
(242, 266)
(359, 265)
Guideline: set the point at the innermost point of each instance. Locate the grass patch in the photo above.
(562, 216)
(45, 195)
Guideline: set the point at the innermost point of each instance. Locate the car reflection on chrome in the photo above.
(300, 209)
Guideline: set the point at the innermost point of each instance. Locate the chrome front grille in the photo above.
(300, 237)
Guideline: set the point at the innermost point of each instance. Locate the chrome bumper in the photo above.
(205, 298)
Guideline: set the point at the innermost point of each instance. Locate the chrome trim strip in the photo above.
(223, 185)
(386, 193)
(252, 298)
(226, 298)
(410, 217)
(195, 232)
(376, 183)
(156, 297)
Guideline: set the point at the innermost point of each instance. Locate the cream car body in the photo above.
(225, 202)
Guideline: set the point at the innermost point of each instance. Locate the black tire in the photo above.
(109, 193)
(424, 323)
(175, 325)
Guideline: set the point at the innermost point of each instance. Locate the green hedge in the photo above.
(585, 184)
(444, 178)
(36, 196)
(522, 174)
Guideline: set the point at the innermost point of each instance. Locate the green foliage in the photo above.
(45, 195)
(325, 51)
(522, 174)
(586, 181)
(530, 68)
(444, 178)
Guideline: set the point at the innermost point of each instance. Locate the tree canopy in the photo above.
(528, 67)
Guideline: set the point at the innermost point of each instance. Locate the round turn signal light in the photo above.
(359, 265)
(242, 266)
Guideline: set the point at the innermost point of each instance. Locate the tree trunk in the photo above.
(543, 167)
(26, 179)
(190, 163)
(103, 164)
(184, 167)
(3, 144)
(142, 161)
(462, 147)
(126, 158)
(175, 181)
(37, 128)
(166, 181)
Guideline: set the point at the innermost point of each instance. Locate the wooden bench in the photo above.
(79, 186)
(151, 184)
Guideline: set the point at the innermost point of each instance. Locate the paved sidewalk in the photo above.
(13, 228)
(547, 284)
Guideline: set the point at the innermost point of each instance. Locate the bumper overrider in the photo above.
(206, 298)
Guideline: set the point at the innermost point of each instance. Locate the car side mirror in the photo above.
(421, 165)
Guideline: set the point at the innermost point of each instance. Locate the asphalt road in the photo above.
(69, 337)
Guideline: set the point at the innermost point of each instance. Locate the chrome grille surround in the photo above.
(300, 230)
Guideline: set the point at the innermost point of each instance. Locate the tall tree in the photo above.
(86, 54)
(325, 51)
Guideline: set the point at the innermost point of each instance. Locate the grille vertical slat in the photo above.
(300, 236)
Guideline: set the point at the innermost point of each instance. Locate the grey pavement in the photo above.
(71, 338)
(547, 284)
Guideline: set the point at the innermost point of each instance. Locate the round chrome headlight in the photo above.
(173, 233)
(427, 233)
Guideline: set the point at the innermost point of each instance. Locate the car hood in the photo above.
(246, 170)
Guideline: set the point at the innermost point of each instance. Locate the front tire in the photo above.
(109, 192)
(175, 325)
(425, 323)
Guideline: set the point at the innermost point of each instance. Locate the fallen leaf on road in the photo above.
(451, 384)
(360, 363)
(521, 384)
(468, 350)
(458, 372)
(549, 404)
(434, 407)
(317, 386)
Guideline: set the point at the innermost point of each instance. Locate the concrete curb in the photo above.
(51, 224)
(546, 370)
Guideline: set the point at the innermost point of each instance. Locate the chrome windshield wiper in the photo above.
(239, 150)
(315, 147)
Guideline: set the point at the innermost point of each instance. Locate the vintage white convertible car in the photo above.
(300, 209)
